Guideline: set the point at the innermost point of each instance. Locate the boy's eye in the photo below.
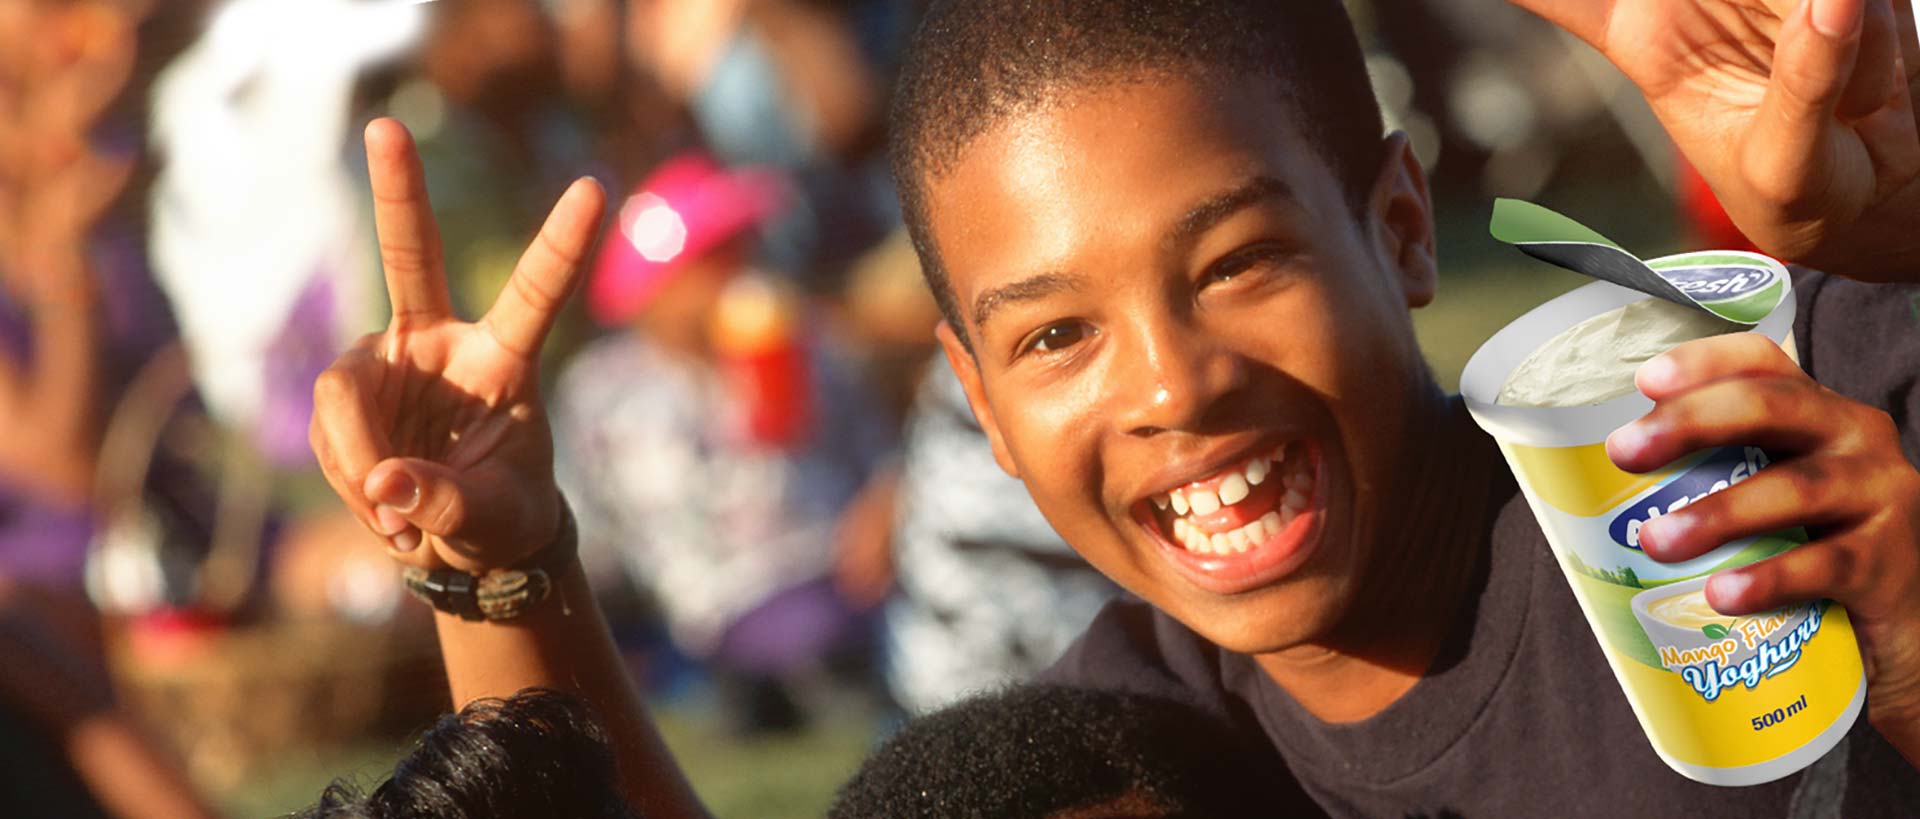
(1056, 337)
(1242, 261)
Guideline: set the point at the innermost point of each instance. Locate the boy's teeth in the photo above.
(1203, 501)
(1295, 501)
(1226, 543)
(1233, 490)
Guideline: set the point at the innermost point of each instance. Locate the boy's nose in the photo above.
(1178, 381)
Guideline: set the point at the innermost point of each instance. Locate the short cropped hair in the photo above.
(537, 753)
(974, 63)
(1030, 751)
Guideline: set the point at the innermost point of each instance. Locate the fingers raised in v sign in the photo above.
(547, 272)
(409, 236)
(411, 253)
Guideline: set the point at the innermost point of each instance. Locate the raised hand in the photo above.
(1799, 113)
(432, 431)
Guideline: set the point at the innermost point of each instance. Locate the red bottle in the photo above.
(757, 345)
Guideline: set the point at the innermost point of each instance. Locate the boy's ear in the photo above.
(968, 369)
(1402, 215)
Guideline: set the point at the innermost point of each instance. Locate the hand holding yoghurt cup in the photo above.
(1840, 471)
(1672, 448)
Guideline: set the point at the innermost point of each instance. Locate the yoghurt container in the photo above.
(1723, 700)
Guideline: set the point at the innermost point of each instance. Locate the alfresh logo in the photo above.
(1724, 468)
(1719, 283)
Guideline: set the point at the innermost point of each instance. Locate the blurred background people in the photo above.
(69, 749)
(711, 444)
(79, 311)
(987, 594)
(797, 84)
(79, 314)
(194, 159)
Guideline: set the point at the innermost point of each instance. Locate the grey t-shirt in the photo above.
(1512, 719)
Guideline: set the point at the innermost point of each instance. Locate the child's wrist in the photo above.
(506, 593)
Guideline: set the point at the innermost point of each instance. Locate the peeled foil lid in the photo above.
(1735, 285)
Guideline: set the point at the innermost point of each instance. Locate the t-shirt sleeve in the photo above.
(1863, 341)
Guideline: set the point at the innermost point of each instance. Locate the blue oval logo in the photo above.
(1718, 283)
(1721, 469)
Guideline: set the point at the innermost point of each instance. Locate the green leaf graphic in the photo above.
(1714, 631)
(1516, 222)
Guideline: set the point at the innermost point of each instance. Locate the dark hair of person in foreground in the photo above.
(1053, 752)
(539, 753)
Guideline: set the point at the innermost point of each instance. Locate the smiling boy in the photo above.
(1176, 264)
(1177, 260)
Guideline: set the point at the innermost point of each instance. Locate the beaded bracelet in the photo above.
(501, 594)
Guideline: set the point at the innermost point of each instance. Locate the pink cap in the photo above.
(688, 206)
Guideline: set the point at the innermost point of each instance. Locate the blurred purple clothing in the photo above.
(42, 542)
(791, 629)
(303, 349)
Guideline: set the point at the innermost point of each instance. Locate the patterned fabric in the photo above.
(672, 497)
(988, 593)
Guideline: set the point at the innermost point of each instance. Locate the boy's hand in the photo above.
(1841, 473)
(1799, 113)
(433, 429)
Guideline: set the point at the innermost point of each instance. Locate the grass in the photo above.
(294, 783)
(786, 777)
(782, 777)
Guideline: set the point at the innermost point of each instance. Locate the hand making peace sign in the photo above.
(1799, 113)
(433, 430)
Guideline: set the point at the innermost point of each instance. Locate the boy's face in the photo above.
(1167, 290)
